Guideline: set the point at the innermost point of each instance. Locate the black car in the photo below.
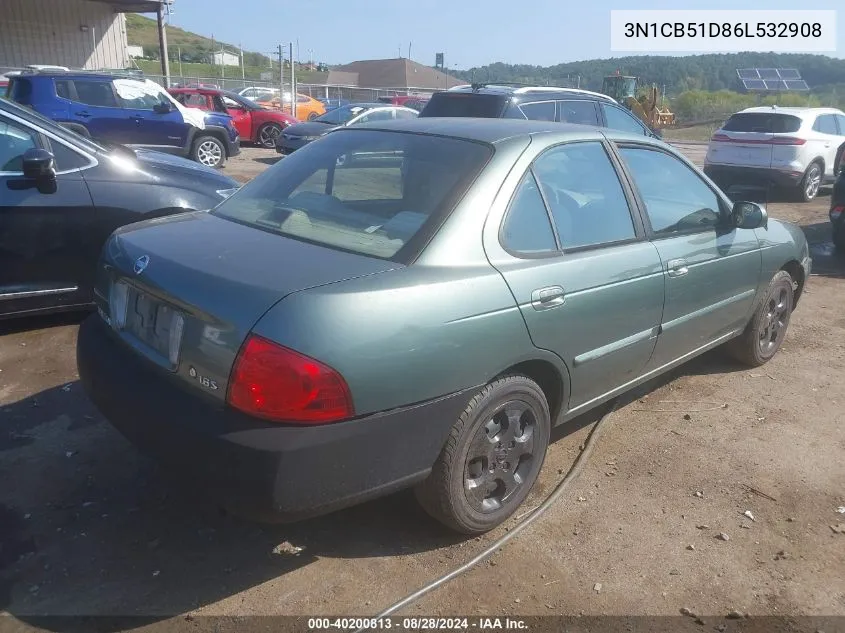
(541, 103)
(62, 195)
(301, 134)
(837, 202)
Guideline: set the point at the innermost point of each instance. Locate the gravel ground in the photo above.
(87, 526)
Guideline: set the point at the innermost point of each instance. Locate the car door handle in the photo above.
(137, 118)
(550, 297)
(83, 114)
(677, 267)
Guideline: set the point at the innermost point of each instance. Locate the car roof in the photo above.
(530, 91)
(797, 111)
(499, 130)
(213, 91)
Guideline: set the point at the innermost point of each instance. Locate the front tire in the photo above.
(267, 135)
(209, 151)
(765, 332)
(491, 459)
(811, 183)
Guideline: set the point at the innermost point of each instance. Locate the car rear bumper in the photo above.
(255, 469)
(752, 176)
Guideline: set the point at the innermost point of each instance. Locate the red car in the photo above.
(254, 123)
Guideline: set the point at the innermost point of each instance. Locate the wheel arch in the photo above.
(796, 271)
(552, 378)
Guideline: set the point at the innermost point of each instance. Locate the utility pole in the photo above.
(281, 78)
(243, 71)
(179, 51)
(409, 50)
(292, 82)
(162, 44)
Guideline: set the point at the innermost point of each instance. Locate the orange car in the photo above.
(307, 108)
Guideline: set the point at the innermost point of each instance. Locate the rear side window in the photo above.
(193, 100)
(20, 90)
(840, 118)
(541, 111)
(95, 93)
(370, 192)
(527, 229)
(582, 189)
(826, 124)
(582, 112)
(762, 122)
(62, 88)
(465, 104)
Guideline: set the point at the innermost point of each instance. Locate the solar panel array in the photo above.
(771, 79)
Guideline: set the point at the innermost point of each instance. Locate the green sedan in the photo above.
(416, 304)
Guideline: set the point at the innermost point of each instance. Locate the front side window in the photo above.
(526, 229)
(365, 191)
(619, 119)
(582, 189)
(14, 141)
(676, 199)
(95, 93)
(540, 111)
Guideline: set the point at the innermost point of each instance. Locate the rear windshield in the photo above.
(763, 122)
(375, 193)
(465, 104)
(20, 90)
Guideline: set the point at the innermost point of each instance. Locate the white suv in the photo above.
(784, 147)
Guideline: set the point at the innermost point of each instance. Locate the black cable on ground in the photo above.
(535, 514)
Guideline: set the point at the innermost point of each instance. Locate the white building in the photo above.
(87, 34)
(225, 59)
(135, 51)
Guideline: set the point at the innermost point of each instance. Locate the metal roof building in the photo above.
(88, 34)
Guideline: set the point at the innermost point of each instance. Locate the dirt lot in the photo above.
(87, 526)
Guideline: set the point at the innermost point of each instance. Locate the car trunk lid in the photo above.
(185, 290)
(750, 139)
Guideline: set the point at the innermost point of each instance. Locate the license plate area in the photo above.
(155, 324)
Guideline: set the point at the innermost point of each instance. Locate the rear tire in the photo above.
(766, 331)
(209, 151)
(811, 182)
(492, 458)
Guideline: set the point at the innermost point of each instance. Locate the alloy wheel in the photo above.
(774, 322)
(500, 457)
(209, 154)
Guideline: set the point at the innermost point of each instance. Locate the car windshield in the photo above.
(465, 104)
(369, 192)
(341, 115)
(762, 122)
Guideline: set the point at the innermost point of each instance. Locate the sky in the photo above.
(468, 32)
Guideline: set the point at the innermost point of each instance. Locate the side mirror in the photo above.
(39, 166)
(749, 215)
(163, 108)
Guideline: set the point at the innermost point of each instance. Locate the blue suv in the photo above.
(127, 109)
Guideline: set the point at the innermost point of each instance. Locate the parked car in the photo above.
(837, 202)
(255, 123)
(260, 95)
(415, 102)
(332, 104)
(63, 194)
(792, 148)
(393, 306)
(307, 108)
(121, 108)
(538, 103)
(296, 136)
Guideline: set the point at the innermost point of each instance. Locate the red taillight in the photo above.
(787, 140)
(836, 211)
(276, 383)
(775, 140)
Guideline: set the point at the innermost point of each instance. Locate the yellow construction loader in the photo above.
(625, 89)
